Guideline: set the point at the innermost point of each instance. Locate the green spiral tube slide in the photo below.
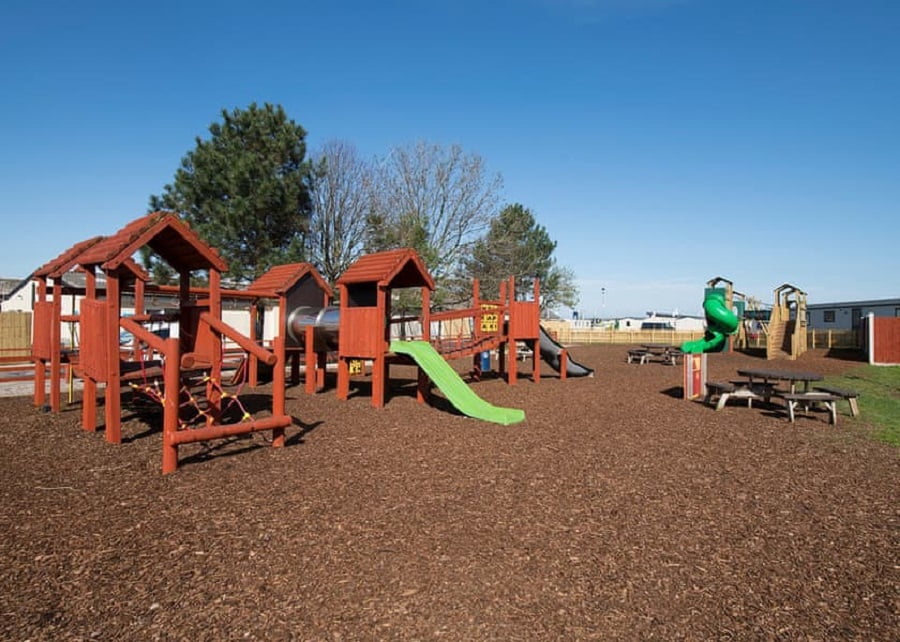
(720, 322)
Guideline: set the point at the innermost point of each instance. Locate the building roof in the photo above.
(10, 286)
(281, 278)
(855, 304)
(401, 268)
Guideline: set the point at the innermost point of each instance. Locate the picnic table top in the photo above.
(783, 375)
(659, 346)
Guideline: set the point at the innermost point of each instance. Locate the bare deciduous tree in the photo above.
(434, 199)
(341, 184)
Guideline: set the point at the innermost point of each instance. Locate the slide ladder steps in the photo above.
(775, 340)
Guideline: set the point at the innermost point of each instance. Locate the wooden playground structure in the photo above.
(184, 374)
(366, 321)
(785, 327)
(197, 349)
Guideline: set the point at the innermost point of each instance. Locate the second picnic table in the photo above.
(668, 353)
(766, 377)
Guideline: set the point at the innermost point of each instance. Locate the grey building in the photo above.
(847, 315)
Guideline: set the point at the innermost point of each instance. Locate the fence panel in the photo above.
(887, 340)
(566, 334)
(15, 334)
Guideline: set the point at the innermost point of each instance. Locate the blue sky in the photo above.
(660, 142)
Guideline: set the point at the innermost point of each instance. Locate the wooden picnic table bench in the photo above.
(807, 399)
(639, 355)
(739, 389)
(851, 396)
(726, 390)
(655, 352)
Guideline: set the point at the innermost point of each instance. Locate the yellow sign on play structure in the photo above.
(356, 366)
(490, 320)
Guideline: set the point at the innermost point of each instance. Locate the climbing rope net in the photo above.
(186, 418)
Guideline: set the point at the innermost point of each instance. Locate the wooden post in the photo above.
(40, 365)
(171, 391)
(56, 379)
(89, 392)
(252, 361)
(563, 364)
(215, 311)
(426, 314)
(113, 409)
(379, 365)
(343, 382)
(379, 374)
(479, 313)
(278, 392)
(136, 352)
(184, 300)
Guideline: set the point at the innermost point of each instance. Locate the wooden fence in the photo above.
(884, 343)
(15, 334)
(566, 334)
(15, 347)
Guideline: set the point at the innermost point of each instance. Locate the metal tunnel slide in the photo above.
(550, 351)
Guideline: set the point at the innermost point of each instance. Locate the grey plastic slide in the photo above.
(550, 350)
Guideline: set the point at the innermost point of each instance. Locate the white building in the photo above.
(655, 321)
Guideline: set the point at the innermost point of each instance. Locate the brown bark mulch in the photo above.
(615, 511)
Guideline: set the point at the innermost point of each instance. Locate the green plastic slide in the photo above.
(720, 322)
(457, 391)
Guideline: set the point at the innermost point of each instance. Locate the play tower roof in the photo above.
(281, 278)
(401, 268)
(166, 234)
(66, 260)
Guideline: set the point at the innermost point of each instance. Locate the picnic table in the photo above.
(760, 383)
(767, 377)
(663, 352)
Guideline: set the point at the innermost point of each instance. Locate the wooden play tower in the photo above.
(365, 312)
(294, 286)
(366, 322)
(787, 326)
(102, 361)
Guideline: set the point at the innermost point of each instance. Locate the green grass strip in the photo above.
(879, 398)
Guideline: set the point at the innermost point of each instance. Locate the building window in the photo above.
(828, 316)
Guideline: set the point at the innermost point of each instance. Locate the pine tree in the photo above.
(245, 189)
(515, 245)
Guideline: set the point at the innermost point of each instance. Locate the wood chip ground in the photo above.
(617, 510)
